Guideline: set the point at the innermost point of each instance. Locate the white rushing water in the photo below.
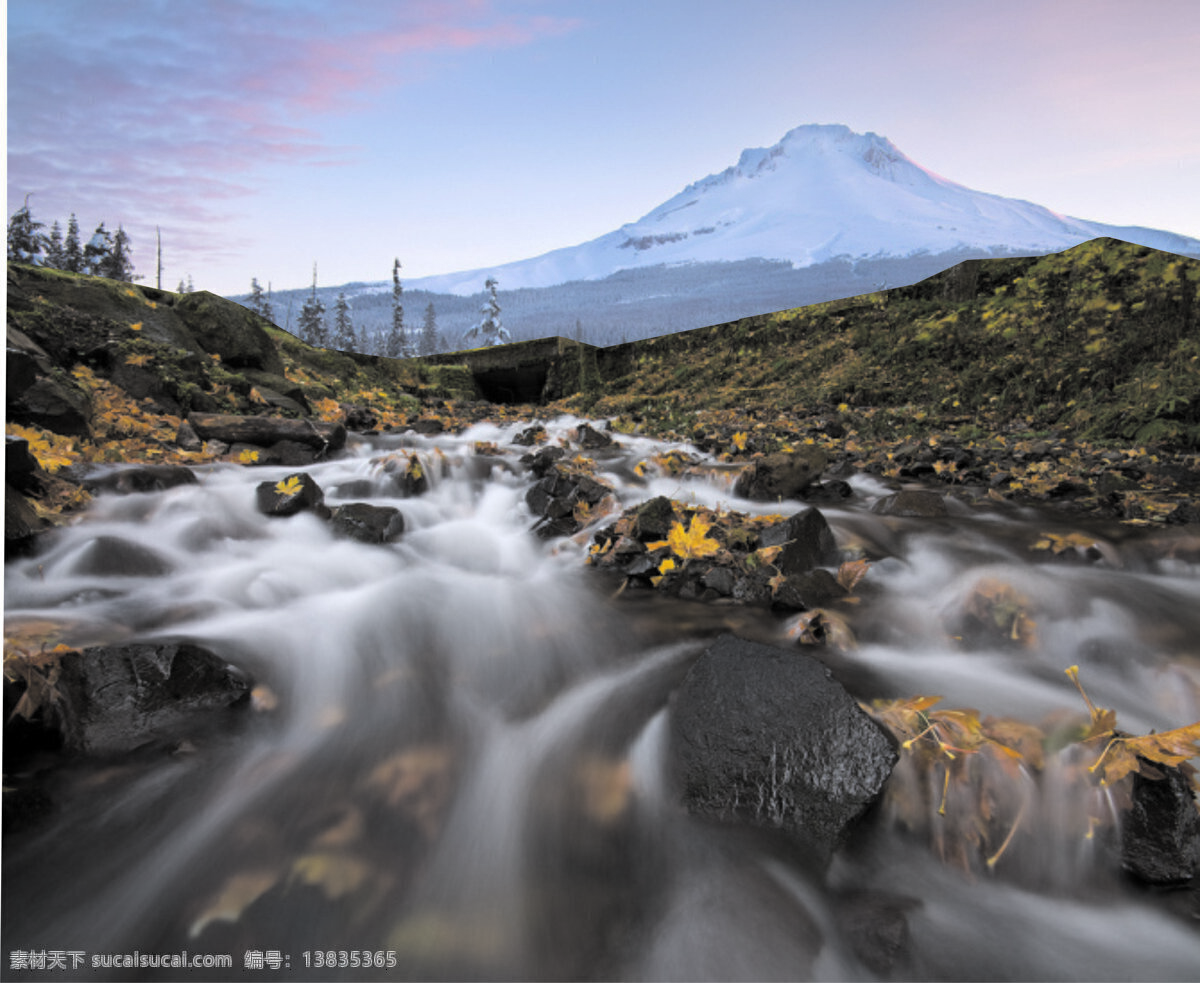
(458, 751)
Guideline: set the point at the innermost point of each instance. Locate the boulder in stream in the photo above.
(297, 492)
(367, 523)
(766, 737)
(117, 698)
(781, 476)
(1160, 836)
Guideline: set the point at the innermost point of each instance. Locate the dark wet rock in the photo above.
(781, 476)
(224, 328)
(145, 382)
(20, 466)
(530, 436)
(653, 519)
(356, 488)
(187, 439)
(753, 587)
(428, 426)
(22, 525)
(720, 579)
(115, 699)
(291, 454)
(554, 499)
(806, 591)
(1160, 835)
(875, 923)
(407, 475)
(136, 478)
(1184, 514)
(367, 523)
(286, 404)
(264, 431)
(829, 491)
(806, 539)
(56, 404)
(766, 737)
(297, 492)
(913, 503)
(361, 418)
(111, 556)
(591, 439)
(541, 462)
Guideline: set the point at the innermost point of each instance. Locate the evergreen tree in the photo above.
(312, 318)
(397, 340)
(343, 327)
(489, 329)
(429, 333)
(185, 287)
(258, 301)
(25, 242)
(72, 250)
(97, 252)
(117, 264)
(56, 254)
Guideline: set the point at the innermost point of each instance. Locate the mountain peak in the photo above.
(823, 192)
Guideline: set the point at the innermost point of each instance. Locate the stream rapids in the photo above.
(455, 760)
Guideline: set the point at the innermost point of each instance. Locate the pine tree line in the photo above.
(313, 328)
(105, 254)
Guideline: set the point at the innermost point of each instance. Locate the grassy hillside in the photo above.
(1101, 342)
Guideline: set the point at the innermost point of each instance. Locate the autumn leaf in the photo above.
(664, 568)
(237, 894)
(851, 573)
(336, 872)
(689, 543)
(137, 326)
(248, 456)
(289, 486)
(139, 360)
(328, 410)
(739, 440)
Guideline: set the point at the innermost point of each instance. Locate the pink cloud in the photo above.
(177, 111)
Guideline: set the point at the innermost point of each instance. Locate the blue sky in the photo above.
(264, 135)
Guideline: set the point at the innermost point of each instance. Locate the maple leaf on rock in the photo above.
(288, 486)
(689, 543)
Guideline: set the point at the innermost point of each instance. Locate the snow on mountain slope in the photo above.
(822, 192)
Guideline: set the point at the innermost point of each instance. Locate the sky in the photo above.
(262, 136)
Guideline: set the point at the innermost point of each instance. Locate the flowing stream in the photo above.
(456, 754)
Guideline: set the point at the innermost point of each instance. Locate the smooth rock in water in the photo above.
(1160, 835)
(805, 591)
(530, 436)
(138, 478)
(263, 431)
(367, 523)
(553, 500)
(541, 462)
(118, 698)
(780, 476)
(915, 503)
(591, 439)
(111, 556)
(806, 539)
(297, 492)
(766, 737)
(22, 525)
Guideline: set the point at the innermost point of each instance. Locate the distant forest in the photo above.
(627, 306)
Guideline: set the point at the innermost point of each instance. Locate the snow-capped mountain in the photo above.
(822, 193)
